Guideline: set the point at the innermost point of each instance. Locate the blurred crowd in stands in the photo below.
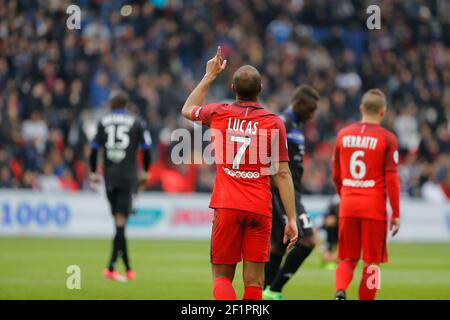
(55, 82)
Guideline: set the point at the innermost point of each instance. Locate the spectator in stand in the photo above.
(54, 82)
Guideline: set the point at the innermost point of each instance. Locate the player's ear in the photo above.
(260, 88)
(296, 107)
(232, 88)
(361, 109)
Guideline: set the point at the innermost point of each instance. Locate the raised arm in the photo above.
(213, 68)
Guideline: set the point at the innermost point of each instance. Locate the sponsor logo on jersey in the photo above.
(358, 183)
(115, 155)
(242, 174)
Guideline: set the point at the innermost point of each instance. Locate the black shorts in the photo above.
(120, 199)
(279, 219)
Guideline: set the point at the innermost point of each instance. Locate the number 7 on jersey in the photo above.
(240, 153)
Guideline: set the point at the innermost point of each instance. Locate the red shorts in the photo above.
(356, 234)
(238, 234)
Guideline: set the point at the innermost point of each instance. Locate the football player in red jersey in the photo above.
(245, 135)
(365, 172)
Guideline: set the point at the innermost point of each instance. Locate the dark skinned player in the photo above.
(303, 106)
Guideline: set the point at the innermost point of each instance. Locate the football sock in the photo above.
(344, 274)
(116, 248)
(252, 293)
(124, 250)
(223, 289)
(293, 261)
(271, 268)
(332, 237)
(366, 293)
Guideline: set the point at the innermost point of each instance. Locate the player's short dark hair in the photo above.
(118, 99)
(305, 95)
(373, 101)
(247, 83)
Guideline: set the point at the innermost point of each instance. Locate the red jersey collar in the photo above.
(370, 123)
(247, 104)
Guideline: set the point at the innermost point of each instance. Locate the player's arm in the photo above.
(147, 158)
(393, 183)
(213, 68)
(93, 159)
(337, 168)
(145, 146)
(95, 145)
(283, 181)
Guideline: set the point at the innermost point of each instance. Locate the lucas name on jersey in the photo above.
(242, 126)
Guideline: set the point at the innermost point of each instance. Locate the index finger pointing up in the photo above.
(219, 52)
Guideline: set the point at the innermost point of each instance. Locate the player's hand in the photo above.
(216, 65)
(395, 226)
(142, 180)
(94, 180)
(290, 233)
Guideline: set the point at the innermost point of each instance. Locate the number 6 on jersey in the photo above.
(357, 167)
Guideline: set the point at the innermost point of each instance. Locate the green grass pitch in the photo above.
(36, 269)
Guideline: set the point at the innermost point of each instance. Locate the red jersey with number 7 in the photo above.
(248, 140)
(365, 171)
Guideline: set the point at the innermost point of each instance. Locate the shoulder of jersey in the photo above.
(277, 118)
(223, 105)
(220, 108)
(384, 131)
(268, 113)
(379, 129)
(263, 112)
(388, 133)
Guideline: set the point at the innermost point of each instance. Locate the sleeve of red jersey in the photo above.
(280, 142)
(205, 113)
(391, 175)
(337, 167)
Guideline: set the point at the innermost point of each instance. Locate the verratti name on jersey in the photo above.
(363, 142)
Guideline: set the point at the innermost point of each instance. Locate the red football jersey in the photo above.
(247, 141)
(365, 158)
